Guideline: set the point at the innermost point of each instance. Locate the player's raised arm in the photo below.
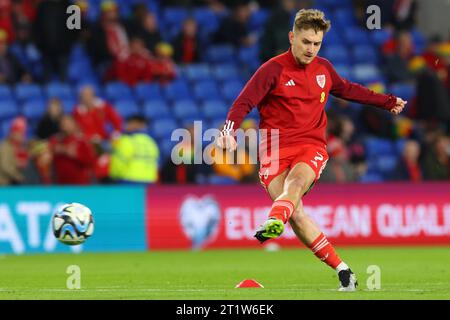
(351, 91)
(264, 79)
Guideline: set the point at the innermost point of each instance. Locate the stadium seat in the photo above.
(118, 91)
(126, 108)
(371, 178)
(386, 164)
(163, 128)
(249, 56)
(207, 20)
(231, 90)
(156, 109)
(172, 20)
(34, 109)
(206, 90)
(215, 179)
(356, 36)
(197, 72)
(220, 54)
(97, 88)
(68, 105)
(404, 90)
(337, 54)
(5, 92)
(258, 19)
(226, 72)
(59, 90)
(185, 108)
(214, 109)
(364, 54)
(343, 18)
(28, 91)
(378, 146)
(365, 73)
(177, 90)
(380, 36)
(8, 109)
(148, 91)
(343, 70)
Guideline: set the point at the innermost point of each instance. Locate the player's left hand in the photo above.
(399, 106)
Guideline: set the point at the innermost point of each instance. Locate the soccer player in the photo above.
(291, 91)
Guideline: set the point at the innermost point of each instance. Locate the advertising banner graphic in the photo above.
(25, 214)
(354, 214)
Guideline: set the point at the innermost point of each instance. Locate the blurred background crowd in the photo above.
(99, 104)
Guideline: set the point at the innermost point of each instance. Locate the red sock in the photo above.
(282, 210)
(325, 251)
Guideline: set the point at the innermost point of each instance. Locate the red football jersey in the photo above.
(291, 97)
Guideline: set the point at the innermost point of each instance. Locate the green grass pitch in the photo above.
(406, 273)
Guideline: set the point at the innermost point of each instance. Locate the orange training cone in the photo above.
(249, 283)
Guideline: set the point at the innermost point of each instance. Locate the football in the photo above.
(73, 223)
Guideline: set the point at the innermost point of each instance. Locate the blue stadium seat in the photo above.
(332, 38)
(337, 54)
(68, 105)
(5, 92)
(386, 164)
(220, 54)
(343, 18)
(206, 90)
(156, 109)
(364, 54)
(213, 109)
(197, 72)
(343, 70)
(28, 91)
(148, 91)
(206, 19)
(185, 108)
(378, 146)
(8, 109)
(380, 36)
(172, 20)
(258, 19)
(177, 90)
(226, 72)
(249, 56)
(97, 88)
(406, 91)
(371, 178)
(59, 90)
(165, 148)
(34, 109)
(215, 179)
(356, 36)
(163, 128)
(365, 73)
(126, 108)
(118, 91)
(231, 90)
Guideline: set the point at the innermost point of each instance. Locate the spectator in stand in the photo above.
(39, 169)
(55, 46)
(48, 125)
(339, 167)
(436, 163)
(434, 59)
(134, 157)
(144, 25)
(11, 71)
(274, 40)
(6, 21)
(163, 67)
(93, 114)
(235, 30)
(73, 155)
(408, 167)
(27, 53)
(397, 53)
(14, 154)
(186, 44)
(108, 40)
(404, 14)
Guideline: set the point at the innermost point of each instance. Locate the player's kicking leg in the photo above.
(287, 190)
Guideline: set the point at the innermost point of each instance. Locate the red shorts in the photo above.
(314, 156)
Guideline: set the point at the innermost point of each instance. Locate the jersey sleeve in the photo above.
(345, 89)
(264, 79)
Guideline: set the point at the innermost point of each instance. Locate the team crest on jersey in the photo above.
(321, 80)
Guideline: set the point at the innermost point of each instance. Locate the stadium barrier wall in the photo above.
(25, 214)
(354, 214)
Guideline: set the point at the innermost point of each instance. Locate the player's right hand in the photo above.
(400, 104)
(227, 142)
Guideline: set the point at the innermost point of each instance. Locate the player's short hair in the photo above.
(311, 19)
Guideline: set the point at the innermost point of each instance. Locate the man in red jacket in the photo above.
(291, 91)
(93, 114)
(73, 155)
